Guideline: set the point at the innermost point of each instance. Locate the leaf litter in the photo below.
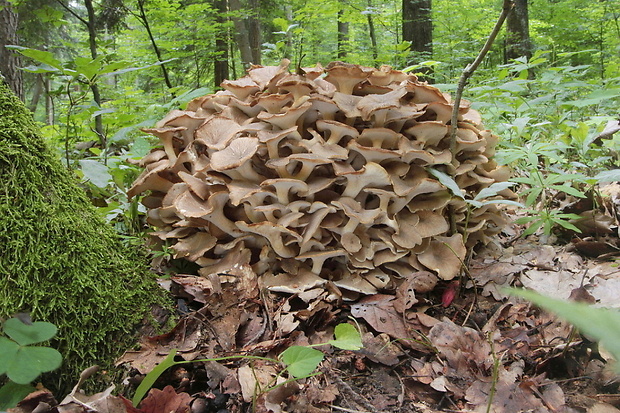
(480, 351)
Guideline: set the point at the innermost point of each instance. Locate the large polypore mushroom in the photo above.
(324, 176)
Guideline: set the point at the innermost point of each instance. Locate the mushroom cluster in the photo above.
(323, 176)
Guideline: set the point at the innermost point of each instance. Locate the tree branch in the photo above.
(77, 16)
(469, 70)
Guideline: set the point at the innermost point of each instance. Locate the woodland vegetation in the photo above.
(94, 73)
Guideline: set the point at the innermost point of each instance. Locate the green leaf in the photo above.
(493, 190)
(567, 225)
(30, 362)
(95, 172)
(8, 351)
(301, 361)
(447, 181)
(600, 323)
(533, 227)
(608, 176)
(152, 377)
(25, 334)
(12, 393)
(347, 337)
(40, 56)
(569, 190)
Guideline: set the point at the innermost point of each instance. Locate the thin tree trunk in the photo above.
(92, 42)
(9, 61)
(36, 93)
(145, 22)
(518, 42)
(417, 28)
(242, 34)
(220, 63)
(343, 36)
(256, 39)
(288, 51)
(372, 33)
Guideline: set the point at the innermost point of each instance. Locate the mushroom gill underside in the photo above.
(324, 176)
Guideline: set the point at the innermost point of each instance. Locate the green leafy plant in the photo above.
(299, 361)
(21, 361)
(601, 324)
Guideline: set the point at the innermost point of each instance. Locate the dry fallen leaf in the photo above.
(378, 311)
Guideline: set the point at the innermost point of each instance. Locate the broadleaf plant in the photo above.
(300, 361)
(21, 361)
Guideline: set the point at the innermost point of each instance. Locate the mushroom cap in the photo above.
(444, 256)
(217, 132)
(235, 154)
(346, 76)
(323, 178)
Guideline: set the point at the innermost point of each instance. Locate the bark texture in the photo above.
(418, 26)
(220, 62)
(518, 41)
(10, 61)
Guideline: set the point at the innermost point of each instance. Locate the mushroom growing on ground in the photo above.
(324, 176)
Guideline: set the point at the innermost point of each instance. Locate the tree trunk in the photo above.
(372, 33)
(220, 63)
(256, 40)
(418, 28)
(242, 34)
(59, 259)
(94, 87)
(518, 32)
(343, 36)
(288, 50)
(9, 61)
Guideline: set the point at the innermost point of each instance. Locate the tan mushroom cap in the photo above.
(275, 234)
(284, 187)
(166, 135)
(235, 159)
(190, 206)
(275, 102)
(241, 88)
(304, 280)
(287, 119)
(324, 175)
(319, 257)
(444, 256)
(151, 180)
(346, 76)
(273, 138)
(428, 133)
(194, 246)
(372, 174)
(217, 132)
(267, 76)
(378, 106)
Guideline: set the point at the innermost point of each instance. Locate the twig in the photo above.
(470, 68)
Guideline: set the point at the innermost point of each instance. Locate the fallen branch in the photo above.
(470, 68)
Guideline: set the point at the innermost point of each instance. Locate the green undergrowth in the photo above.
(59, 260)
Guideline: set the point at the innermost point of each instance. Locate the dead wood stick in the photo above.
(470, 68)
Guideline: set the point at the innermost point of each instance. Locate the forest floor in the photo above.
(463, 346)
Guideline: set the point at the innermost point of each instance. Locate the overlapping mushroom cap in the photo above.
(323, 177)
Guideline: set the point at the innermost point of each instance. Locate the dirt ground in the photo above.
(459, 346)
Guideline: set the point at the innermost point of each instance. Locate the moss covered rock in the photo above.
(59, 260)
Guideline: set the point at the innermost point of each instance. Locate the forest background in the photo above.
(93, 73)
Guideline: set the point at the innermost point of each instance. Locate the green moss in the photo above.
(58, 259)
